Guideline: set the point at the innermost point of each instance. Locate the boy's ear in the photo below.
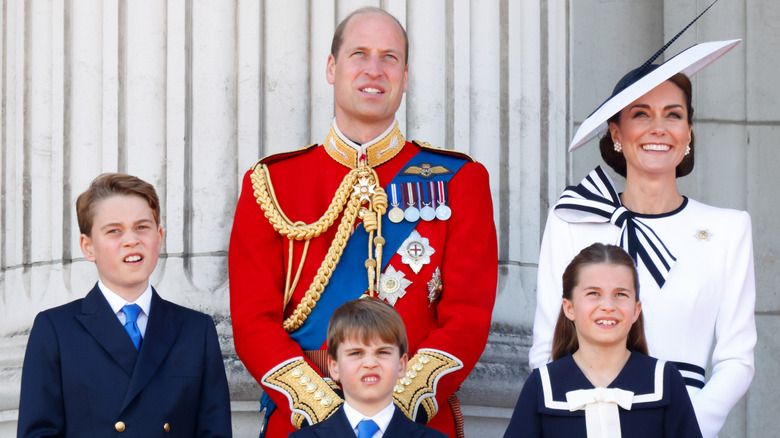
(85, 242)
(402, 366)
(161, 232)
(333, 368)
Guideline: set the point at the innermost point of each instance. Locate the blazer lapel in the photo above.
(161, 332)
(101, 322)
(399, 426)
(336, 426)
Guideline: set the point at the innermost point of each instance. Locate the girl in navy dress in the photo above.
(601, 382)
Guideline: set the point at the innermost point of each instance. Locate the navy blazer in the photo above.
(83, 377)
(337, 426)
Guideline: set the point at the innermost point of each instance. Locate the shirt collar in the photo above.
(116, 302)
(375, 152)
(382, 418)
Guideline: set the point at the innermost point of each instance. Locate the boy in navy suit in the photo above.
(367, 353)
(122, 361)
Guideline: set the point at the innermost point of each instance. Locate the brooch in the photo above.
(703, 234)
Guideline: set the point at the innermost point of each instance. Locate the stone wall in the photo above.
(189, 93)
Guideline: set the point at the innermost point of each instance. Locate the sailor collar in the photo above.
(377, 151)
(645, 374)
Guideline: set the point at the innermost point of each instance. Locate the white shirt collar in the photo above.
(361, 149)
(382, 418)
(116, 302)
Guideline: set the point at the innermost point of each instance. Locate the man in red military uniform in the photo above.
(365, 213)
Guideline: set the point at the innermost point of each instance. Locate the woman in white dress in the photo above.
(695, 261)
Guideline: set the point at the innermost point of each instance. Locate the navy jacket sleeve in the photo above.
(526, 421)
(41, 411)
(214, 409)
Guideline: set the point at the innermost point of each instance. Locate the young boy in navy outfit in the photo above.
(122, 361)
(367, 354)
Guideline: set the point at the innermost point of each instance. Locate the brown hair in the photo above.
(365, 320)
(565, 338)
(338, 35)
(113, 184)
(617, 160)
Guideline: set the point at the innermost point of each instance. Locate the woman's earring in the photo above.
(618, 147)
(688, 149)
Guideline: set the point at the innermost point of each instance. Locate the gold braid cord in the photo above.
(360, 186)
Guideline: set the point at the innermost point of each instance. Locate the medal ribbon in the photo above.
(442, 192)
(595, 199)
(393, 195)
(412, 201)
(344, 285)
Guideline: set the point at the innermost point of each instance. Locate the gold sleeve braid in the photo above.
(312, 397)
(418, 389)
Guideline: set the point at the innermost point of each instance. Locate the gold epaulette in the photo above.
(418, 389)
(312, 398)
(273, 158)
(427, 146)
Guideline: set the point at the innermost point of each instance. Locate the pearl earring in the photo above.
(618, 147)
(688, 149)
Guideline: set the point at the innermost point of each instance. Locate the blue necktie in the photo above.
(367, 429)
(131, 326)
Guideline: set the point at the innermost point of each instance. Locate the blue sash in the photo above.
(346, 283)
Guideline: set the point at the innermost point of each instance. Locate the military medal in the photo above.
(392, 285)
(416, 251)
(443, 212)
(364, 189)
(412, 213)
(426, 212)
(396, 215)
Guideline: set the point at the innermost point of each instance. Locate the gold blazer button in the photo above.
(167, 427)
(120, 426)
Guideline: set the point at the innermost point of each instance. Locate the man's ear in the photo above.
(85, 243)
(330, 69)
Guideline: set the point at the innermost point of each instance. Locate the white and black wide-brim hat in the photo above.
(689, 62)
(640, 81)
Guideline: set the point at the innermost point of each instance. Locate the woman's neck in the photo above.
(649, 195)
(601, 365)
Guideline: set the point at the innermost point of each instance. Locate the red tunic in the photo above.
(465, 250)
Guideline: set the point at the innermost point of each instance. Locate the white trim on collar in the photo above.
(657, 394)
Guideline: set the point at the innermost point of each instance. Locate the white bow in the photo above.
(601, 409)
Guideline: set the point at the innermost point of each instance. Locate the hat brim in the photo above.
(689, 62)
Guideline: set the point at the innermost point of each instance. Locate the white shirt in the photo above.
(116, 302)
(382, 418)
